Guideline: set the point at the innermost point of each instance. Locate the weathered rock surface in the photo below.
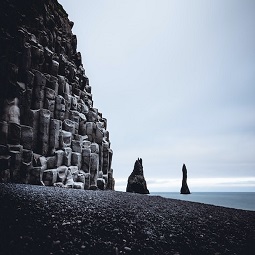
(184, 188)
(47, 119)
(136, 180)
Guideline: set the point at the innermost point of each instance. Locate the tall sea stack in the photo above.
(184, 188)
(136, 180)
(50, 132)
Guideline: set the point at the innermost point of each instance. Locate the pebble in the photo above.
(56, 242)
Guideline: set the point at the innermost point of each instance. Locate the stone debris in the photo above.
(48, 124)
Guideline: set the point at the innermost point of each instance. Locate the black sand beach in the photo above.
(48, 220)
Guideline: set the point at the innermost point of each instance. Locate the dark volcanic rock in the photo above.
(136, 181)
(184, 188)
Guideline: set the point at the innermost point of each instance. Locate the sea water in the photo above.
(238, 200)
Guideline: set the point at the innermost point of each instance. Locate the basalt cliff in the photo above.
(50, 133)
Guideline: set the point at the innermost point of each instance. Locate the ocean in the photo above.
(238, 200)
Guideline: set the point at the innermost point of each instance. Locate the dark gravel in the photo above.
(47, 220)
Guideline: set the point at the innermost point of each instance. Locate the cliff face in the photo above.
(50, 133)
(136, 180)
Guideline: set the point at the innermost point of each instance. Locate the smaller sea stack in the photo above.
(184, 188)
(136, 180)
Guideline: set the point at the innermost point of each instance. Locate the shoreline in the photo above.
(234, 200)
(48, 220)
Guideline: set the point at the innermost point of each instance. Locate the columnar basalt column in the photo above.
(14, 133)
(26, 165)
(26, 57)
(86, 154)
(75, 117)
(105, 157)
(29, 79)
(37, 56)
(77, 146)
(92, 115)
(49, 102)
(65, 139)
(50, 177)
(55, 127)
(39, 85)
(69, 126)
(94, 148)
(76, 159)
(54, 67)
(34, 122)
(51, 162)
(67, 156)
(111, 182)
(90, 131)
(44, 131)
(60, 108)
(62, 173)
(28, 94)
(5, 168)
(63, 86)
(74, 103)
(110, 159)
(99, 133)
(52, 83)
(11, 111)
(101, 157)
(15, 165)
(94, 165)
(3, 132)
(27, 137)
(35, 175)
(59, 157)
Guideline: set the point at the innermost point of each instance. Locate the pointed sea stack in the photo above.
(184, 188)
(136, 180)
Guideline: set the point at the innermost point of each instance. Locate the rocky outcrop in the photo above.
(184, 188)
(136, 180)
(50, 133)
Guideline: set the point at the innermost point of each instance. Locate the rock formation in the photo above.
(50, 133)
(136, 180)
(184, 188)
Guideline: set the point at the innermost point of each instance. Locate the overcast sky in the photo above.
(176, 81)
